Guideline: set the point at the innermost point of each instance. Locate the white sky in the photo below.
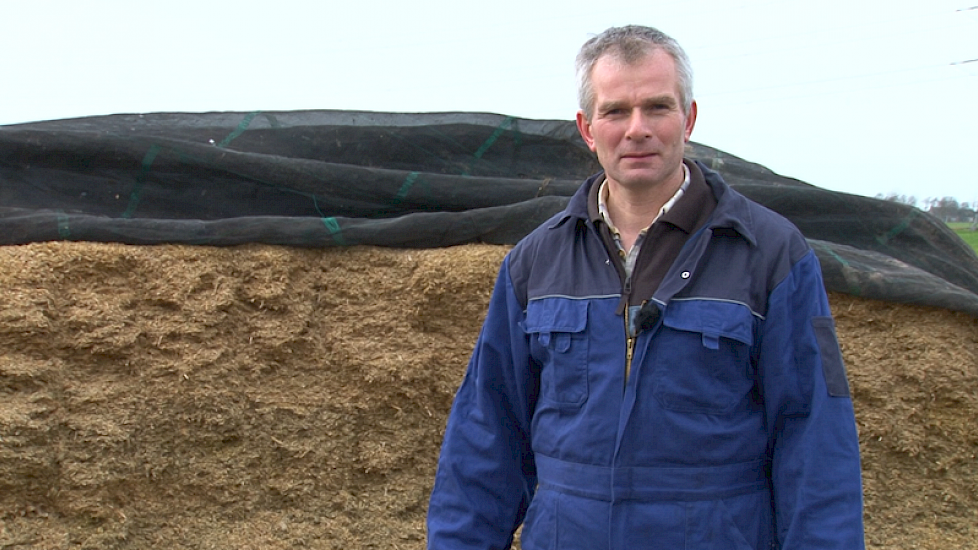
(861, 96)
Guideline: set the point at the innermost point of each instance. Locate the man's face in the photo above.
(638, 128)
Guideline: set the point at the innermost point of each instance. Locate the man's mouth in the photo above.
(638, 156)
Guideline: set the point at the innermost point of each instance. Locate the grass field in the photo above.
(964, 231)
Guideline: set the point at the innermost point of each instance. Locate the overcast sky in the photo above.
(861, 96)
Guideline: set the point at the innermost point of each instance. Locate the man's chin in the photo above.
(650, 174)
(641, 178)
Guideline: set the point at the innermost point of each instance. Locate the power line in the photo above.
(833, 31)
(819, 44)
(825, 93)
(836, 79)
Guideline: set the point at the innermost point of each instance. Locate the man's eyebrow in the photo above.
(664, 99)
(661, 100)
(610, 106)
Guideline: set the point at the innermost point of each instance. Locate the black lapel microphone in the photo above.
(647, 317)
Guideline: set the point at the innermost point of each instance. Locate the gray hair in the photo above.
(630, 44)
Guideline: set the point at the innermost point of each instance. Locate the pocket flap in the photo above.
(713, 319)
(833, 367)
(549, 315)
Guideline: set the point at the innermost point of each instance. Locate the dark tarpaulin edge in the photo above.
(845, 269)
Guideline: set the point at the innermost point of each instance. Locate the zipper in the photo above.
(629, 337)
(629, 351)
(634, 330)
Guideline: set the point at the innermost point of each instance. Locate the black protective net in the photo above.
(342, 178)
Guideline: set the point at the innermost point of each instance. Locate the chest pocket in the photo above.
(559, 343)
(701, 357)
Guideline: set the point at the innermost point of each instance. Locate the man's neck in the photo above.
(632, 210)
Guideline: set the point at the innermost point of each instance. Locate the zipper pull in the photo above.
(623, 303)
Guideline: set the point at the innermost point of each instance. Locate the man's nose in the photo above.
(638, 125)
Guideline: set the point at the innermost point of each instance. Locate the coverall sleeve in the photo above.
(816, 475)
(486, 474)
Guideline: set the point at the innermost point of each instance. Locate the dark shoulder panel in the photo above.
(563, 257)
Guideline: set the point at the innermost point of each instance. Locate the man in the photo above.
(658, 367)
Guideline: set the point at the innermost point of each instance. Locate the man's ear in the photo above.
(690, 121)
(584, 127)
